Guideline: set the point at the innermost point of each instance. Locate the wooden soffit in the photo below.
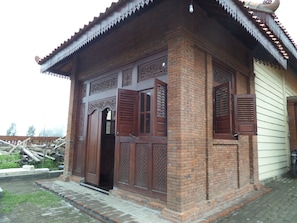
(253, 26)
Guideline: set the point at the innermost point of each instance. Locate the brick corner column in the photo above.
(186, 158)
(71, 127)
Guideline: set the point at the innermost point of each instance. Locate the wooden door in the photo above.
(93, 150)
(141, 157)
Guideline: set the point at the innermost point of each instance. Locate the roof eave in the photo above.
(95, 30)
(252, 26)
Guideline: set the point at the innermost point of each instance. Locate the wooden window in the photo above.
(161, 108)
(127, 113)
(245, 114)
(222, 109)
(232, 114)
(143, 112)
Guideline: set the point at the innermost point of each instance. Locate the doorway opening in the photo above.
(99, 170)
(107, 149)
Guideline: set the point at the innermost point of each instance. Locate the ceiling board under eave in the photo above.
(62, 68)
(217, 13)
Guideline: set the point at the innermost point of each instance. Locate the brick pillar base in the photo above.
(64, 177)
(186, 216)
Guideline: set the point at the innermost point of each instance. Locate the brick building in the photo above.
(162, 104)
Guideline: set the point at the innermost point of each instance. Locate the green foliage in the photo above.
(9, 165)
(40, 198)
(31, 131)
(11, 131)
(47, 163)
(9, 161)
(13, 161)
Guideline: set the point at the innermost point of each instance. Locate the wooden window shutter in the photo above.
(127, 111)
(161, 108)
(222, 109)
(245, 114)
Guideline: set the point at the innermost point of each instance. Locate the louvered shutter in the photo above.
(127, 112)
(161, 108)
(222, 109)
(245, 114)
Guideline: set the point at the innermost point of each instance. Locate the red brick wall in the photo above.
(223, 168)
(186, 126)
(199, 167)
(201, 172)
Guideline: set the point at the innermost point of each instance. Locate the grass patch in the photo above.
(14, 161)
(9, 161)
(9, 201)
(47, 163)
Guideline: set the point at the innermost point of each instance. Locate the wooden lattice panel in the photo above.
(141, 165)
(104, 84)
(83, 91)
(124, 163)
(127, 77)
(161, 101)
(160, 168)
(102, 104)
(221, 74)
(152, 69)
(81, 119)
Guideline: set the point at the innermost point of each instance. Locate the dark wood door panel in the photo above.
(92, 175)
(141, 167)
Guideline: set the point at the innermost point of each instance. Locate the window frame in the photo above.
(145, 112)
(242, 118)
(220, 81)
(129, 111)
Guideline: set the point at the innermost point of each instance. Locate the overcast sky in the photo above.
(30, 28)
(37, 27)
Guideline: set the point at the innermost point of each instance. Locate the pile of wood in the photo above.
(33, 153)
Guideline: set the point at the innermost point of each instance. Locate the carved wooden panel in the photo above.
(160, 168)
(81, 119)
(141, 165)
(104, 84)
(127, 77)
(152, 69)
(83, 90)
(79, 142)
(102, 104)
(124, 164)
(222, 74)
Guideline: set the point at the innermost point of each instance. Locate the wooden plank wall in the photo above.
(272, 88)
